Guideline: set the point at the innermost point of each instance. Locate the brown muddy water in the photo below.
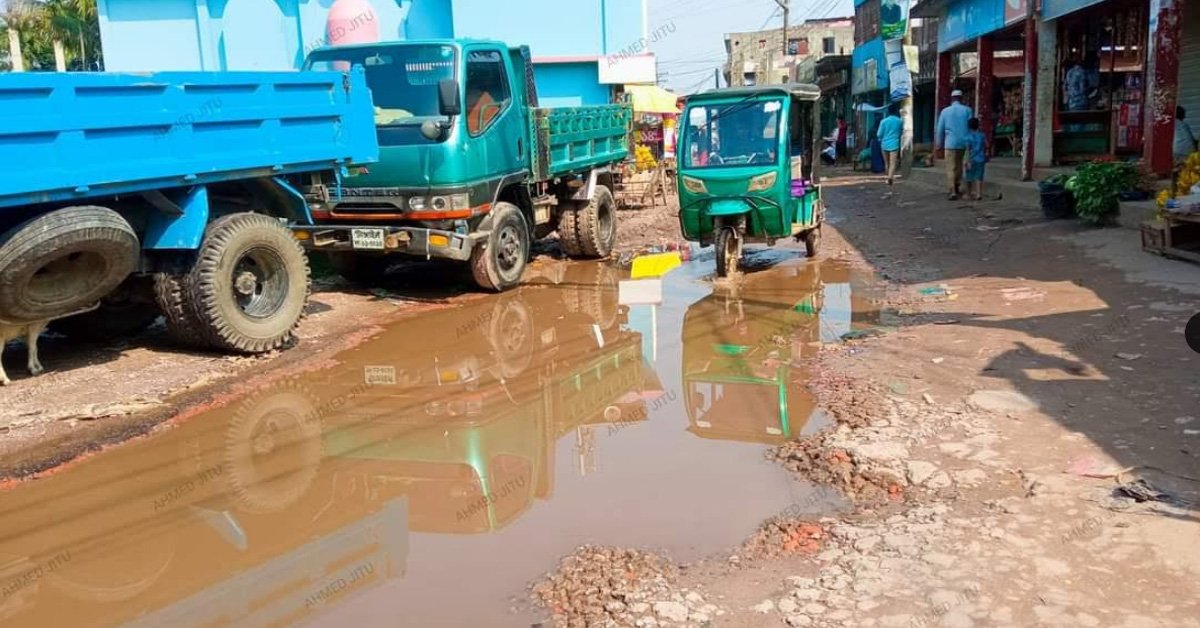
(440, 467)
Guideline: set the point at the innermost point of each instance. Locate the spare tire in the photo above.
(63, 261)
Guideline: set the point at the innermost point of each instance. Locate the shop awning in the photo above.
(652, 99)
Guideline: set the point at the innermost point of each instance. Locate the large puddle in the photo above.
(441, 466)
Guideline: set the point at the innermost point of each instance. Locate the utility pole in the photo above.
(786, 6)
(906, 109)
(716, 78)
(646, 21)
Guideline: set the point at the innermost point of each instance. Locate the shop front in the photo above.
(1101, 81)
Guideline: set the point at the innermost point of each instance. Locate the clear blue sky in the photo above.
(697, 45)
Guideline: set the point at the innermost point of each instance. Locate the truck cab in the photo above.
(470, 168)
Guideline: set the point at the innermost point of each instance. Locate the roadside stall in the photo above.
(1101, 80)
(646, 180)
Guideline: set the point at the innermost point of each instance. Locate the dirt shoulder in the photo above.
(1027, 440)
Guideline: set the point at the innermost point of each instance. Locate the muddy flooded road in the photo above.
(428, 475)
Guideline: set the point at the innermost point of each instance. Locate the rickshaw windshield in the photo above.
(737, 134)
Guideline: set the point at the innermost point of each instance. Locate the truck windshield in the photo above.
(733, 134)
(403, 81)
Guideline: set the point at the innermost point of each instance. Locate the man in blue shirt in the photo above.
(951, 134)
(890, 129)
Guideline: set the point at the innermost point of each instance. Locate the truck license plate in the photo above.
(367, 239)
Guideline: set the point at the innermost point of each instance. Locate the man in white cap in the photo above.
(951, 134)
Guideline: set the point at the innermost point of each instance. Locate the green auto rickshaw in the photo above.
(748, 169)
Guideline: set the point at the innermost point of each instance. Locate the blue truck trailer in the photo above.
(124, 197)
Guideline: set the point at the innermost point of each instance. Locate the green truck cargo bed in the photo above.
(573, 139)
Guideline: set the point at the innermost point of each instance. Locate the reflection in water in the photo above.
(453, 432)
(745, 347)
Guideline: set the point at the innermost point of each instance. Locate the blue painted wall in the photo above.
(156, 35)
(570, 85)
(873, 49)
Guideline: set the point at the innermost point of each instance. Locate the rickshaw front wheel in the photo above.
(729, 251)
(812, 241)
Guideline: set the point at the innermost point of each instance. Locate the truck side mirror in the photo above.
(449, 104)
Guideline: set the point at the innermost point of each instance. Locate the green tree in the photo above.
(32, 27)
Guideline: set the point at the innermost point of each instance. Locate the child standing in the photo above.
(976, 158)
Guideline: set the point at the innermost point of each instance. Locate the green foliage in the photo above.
(1097, 189)
(40, 23)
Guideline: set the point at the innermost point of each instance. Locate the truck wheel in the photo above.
(367, 270)
(812, 241)
(127, 311)
(63, 261)
(729, 251)
(182, 325)
(568, 230)
(590, 231)
(249, 286)
(498, 264)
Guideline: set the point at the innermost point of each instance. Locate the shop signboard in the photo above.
(1054, 9)
(966, 20)
(893, 19)
(900, 77)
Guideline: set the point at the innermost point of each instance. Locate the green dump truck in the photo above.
(470, 169)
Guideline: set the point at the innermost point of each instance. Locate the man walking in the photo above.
(951, 134)
(890, 129)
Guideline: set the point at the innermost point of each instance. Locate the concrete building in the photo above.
(759, 58)
(603, 45)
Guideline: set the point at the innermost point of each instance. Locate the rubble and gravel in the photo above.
(606, 587)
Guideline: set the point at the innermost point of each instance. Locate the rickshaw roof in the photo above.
(802, 91)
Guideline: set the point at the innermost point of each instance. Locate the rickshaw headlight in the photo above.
(695, 186)
(763, 182)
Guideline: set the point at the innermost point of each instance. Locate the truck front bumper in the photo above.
(416, 241)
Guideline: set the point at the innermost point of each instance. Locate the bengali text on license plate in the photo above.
(369, 239)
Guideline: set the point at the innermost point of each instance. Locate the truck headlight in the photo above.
(417, 203)
(763, 182)
(695, 186)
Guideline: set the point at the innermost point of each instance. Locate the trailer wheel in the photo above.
(589, 231)
(366, 270)
(248, 289)
(498, 264)
(63, 261)
(127, 311)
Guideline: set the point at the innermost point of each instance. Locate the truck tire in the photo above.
(568, 230)
(64, 261)
(589, 230)
(366, 270)
(126, 311)
(182, 325)
(248, 288)
(499, 263)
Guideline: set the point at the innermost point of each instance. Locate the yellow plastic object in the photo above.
(649, 266)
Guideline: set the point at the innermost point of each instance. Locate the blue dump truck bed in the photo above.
(73, 136)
